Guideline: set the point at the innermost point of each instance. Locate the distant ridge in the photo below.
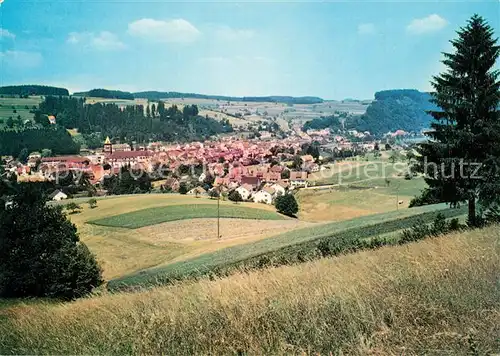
(157, 95)
(108, 94)
(33, 90)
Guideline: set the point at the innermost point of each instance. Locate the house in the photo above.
(298, 179)
(245, 191)
(280, 187)
(124, 158)
(173, 184)
(202, 177)
(254, 182)
(197, 191)
(52, 119)
(264, 196)
(57, 195)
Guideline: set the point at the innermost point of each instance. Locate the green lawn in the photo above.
(284, 247)
(8, 105)
(153, 216)
(363, 171)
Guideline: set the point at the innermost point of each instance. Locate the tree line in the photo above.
(26, 90)
(108, 94)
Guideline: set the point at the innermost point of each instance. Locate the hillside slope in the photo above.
(395, 110)
(436, 297)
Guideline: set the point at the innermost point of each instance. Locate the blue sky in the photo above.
(334, 50)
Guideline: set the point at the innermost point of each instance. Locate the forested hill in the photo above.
(392, 110)
(156, 95)
(131, 123)
(108, 94)
(24, 90)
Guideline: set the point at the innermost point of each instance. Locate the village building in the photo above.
(57, 195)
(298, 179)
(245, 191)
(197, 191)
(265, 195)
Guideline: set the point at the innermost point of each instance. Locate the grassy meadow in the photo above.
(356, 188)
(8, 105)
(153, 216)
(435, 297)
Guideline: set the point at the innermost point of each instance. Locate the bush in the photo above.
(428, 197)
(92, 203)
(73, 208)
(40, 252)
(287, 205)
(421, 230)
(213, 194)
(235, 196)
(183, 188)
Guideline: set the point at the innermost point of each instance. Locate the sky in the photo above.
(334, 50)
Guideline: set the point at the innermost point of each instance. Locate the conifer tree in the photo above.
(460, 159)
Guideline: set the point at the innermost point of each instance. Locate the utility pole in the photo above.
(397, 197)
(218, 212)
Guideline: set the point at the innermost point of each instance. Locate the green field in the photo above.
(285, 248)
(153, 216)
(8, 105)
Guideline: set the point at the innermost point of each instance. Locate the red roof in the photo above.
(254, 181)
(129, 154)
(67, 159)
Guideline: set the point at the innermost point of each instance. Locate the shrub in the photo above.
(183, 188)
(92, 203)
(40, 252)
(73, 208)
(235, 196)
(421, 230)
(287, 205)
(213, 194)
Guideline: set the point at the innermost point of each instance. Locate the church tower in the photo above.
(108, 146)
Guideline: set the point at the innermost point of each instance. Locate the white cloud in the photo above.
(21, 59)
(431, 23)
(366, 29)
(6, 33)
(103, 41)
(174, 31)
(229, 34)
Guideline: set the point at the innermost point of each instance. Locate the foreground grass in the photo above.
(436, 297)
(290, 247)
(153, 216)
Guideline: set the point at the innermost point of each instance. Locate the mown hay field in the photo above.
(358, 198)
(435, 297)
(158, 215)
(122, 251)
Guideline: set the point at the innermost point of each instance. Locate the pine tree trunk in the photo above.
(472, 211)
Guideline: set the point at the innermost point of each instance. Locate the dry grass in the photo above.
(439, 296)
